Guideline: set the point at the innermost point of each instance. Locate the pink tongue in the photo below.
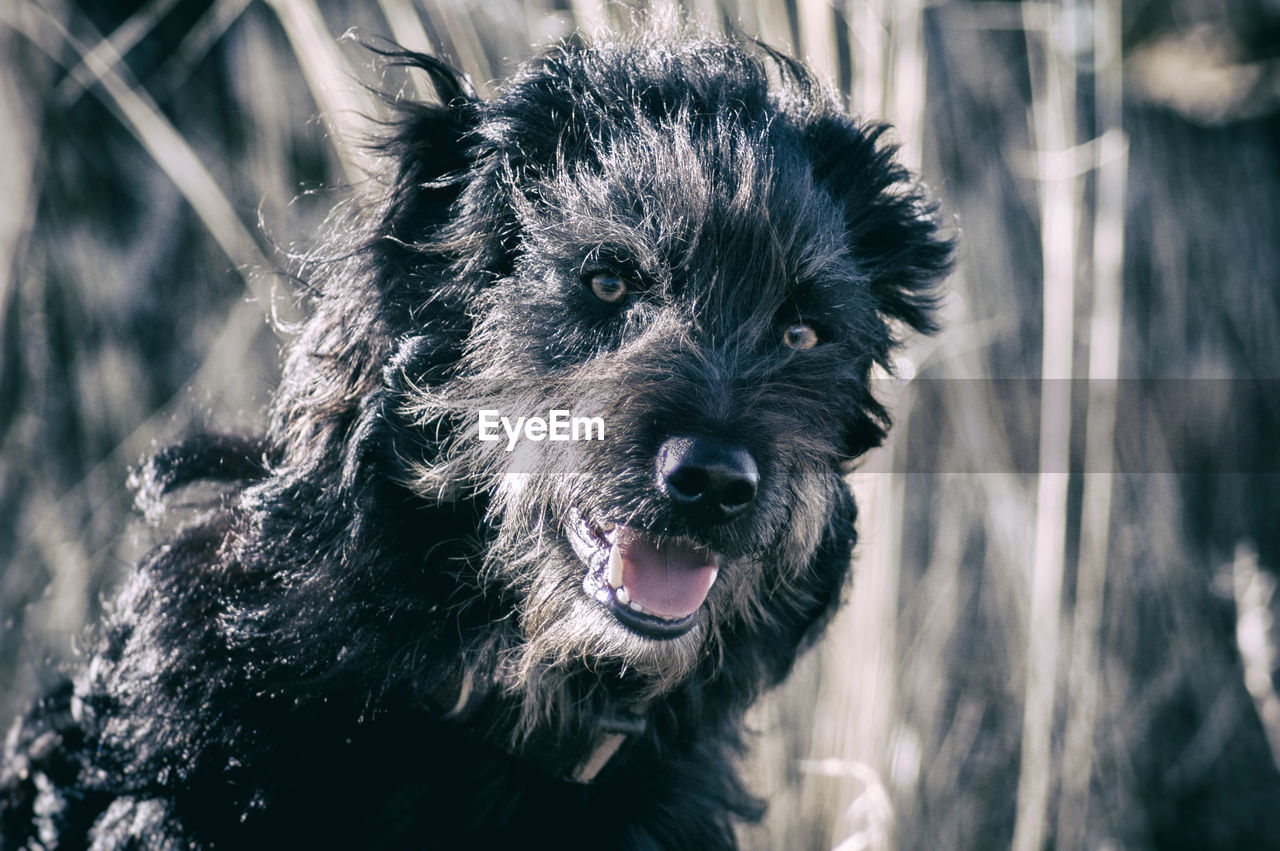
(670, 580)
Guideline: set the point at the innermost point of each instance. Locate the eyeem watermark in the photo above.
(558, 425)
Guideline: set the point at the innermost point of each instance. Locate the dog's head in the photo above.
(686, 256)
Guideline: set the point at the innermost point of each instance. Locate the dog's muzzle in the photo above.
(655, 585)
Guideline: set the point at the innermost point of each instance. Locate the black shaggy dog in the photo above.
(390, 633)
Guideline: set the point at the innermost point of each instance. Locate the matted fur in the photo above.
(379, 638)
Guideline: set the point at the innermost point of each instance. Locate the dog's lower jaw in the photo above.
(649, 626)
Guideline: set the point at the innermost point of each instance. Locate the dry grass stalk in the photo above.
(868, 40)
(1084, 674)
(18, 149)
(774, 26)
(1053, 110)
(345, 107)
(143, 118)
(408, 31)
(857, 708)
(65, 547)
(463, 43)
(818, 38)
(1253, 590)
(111, 48)
(196, 44)
(590, 16)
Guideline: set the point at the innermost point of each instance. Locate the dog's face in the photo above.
(691, 249)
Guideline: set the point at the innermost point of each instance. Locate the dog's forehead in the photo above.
(686, 189)
(732, 204)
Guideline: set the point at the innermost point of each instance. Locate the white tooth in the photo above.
(715, 574)
(602, 595)
(622, 595)
(635, 607)
(587, 586)
(615, 567)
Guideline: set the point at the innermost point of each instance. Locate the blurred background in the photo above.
(1061, 632)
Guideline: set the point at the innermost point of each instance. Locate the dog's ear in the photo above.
(376, 272)
(866, 431)
(893, 225)
(431, 146)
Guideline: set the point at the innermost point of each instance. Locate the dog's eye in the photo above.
(800, 337)
(608, 287)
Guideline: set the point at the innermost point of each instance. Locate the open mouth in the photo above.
(654, 586)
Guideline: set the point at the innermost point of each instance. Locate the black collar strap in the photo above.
(582, 764)
(609, 734)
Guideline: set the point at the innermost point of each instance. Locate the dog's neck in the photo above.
(578, 759)
(583, 762)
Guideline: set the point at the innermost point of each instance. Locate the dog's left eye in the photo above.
(800, 337)
(608, 287)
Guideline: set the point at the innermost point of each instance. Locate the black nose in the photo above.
(706, 478)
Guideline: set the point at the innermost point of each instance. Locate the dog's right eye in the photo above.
(608, 287)
(800, 337)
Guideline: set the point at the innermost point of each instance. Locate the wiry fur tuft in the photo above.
(380, 637)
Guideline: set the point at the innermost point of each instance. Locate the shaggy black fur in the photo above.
(380, 637)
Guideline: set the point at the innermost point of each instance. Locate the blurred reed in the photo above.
(1105, 324)
(1053, 111)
